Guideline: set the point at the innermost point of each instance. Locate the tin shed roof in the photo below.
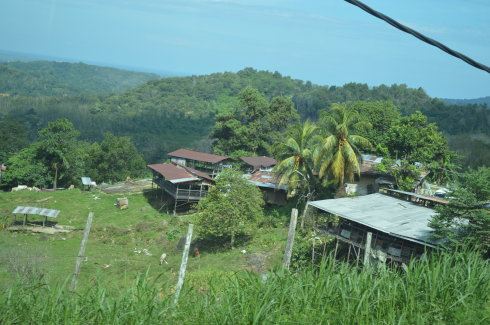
(384, 213)
(50, 213)
(197, 155)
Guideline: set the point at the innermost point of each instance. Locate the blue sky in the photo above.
(327, 41)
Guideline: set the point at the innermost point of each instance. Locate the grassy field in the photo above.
(114, 252)
(121, 286)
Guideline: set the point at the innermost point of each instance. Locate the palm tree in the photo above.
(339, 155)
(296, 160)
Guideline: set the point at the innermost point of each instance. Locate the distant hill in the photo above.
(164, 114)
(48, 78)
(477, 101)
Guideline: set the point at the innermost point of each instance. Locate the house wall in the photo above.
(365, 185)
(272, 196)
(383, 246)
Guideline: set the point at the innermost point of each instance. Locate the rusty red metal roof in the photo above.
(198, 173)
(266, 179)
(172, 172)
(197, 155)
(261, 161)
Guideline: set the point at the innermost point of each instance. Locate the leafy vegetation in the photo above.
(465, 221)
(445, 289)
(340, 152)
(254, 125)
(59, 158)
(231, 209)
(296, 165)
(162, 115)
(46, 78)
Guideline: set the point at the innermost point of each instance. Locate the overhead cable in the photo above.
(418, 35)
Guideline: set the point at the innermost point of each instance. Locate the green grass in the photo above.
(445, 289)
(114, 237)
(35, 270)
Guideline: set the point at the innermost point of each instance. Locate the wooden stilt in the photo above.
(358, 255)
(336, 247)
(348, 254)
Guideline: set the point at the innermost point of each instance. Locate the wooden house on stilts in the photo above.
(183, 184)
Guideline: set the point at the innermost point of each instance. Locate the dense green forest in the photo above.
(480, 101)
(45, 78)
(167, 113)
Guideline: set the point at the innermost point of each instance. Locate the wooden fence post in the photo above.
(183, 265)
(290, 242)
(367, 249)
(81, 253)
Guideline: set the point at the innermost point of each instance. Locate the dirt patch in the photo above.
(129, 186)
(257, 262)
(43, 230)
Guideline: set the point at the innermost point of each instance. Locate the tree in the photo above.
(13, 137)
(231, 207)
(24, 168)
(57, 148)
(339, 152)
(254, 125)
(381, 117)
(406, 175)
(115, 159)
(466, 219)
(296, 160)
(414, 139)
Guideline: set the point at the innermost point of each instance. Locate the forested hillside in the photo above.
(46, 78)
(478, 101)
(167, 113)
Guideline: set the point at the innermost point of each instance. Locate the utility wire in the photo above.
(418, 35)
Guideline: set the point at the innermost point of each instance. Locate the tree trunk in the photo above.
(341, 192)
(55, 181)
(232, 242)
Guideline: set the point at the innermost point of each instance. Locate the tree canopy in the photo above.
(254, 125)
(231, 207)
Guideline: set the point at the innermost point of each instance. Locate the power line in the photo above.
(418, 35)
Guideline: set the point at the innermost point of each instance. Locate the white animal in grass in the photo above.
(163, 258)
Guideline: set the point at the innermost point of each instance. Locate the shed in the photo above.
(46, 213)
(184, 184)
(399, 228)
(268, 183)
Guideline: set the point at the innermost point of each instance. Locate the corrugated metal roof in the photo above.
(266, 179)
(36, 211)
(257, 162)
(198, 173)
(179, 174)
(384, 213)
(173, 173)
(196, 155)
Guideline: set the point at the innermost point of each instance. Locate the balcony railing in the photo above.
(180, 193)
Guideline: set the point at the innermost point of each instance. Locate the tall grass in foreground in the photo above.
(444, 289)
